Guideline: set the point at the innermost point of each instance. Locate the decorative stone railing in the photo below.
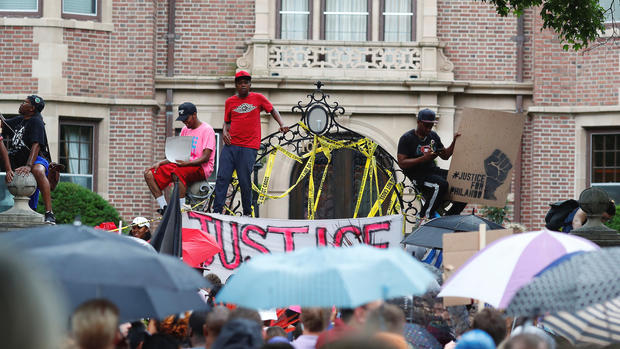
(349, 60)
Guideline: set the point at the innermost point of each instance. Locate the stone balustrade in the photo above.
(346, 60)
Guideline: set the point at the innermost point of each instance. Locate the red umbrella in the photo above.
(198, 246)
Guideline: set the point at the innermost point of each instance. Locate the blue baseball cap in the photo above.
(427, 115)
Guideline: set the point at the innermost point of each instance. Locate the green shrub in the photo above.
(495, 214)
(614, 222)
(70, 200)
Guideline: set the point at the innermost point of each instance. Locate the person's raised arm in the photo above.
(276, 116)
(446, 153)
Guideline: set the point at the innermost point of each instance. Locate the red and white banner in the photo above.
(242, 237)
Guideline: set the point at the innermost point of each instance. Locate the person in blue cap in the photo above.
(417, 151)
(475, 339)
(28, 150)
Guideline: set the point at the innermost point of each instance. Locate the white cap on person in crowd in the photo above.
(141, 222)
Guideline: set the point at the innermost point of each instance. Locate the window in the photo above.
(20, 8)
(294, 19)
(76, 151)
(81, 9)
(605, 161)
(398, 20)
(612, 13)
(347, 20)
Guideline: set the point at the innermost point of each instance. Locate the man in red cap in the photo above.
(242, 135)
(417, 150)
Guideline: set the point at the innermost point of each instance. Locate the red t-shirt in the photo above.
(243, 114)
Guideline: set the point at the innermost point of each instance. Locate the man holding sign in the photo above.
(417, 150)
(201, 158)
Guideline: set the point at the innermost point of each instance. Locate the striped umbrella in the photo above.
(597, 324)
(494, 274)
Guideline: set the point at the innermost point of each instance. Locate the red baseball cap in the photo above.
(243, 74)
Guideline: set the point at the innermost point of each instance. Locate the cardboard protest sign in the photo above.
(458, 248)
(178, 148)
(485, 156)
(242, 237)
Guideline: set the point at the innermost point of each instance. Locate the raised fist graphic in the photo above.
(496, 167)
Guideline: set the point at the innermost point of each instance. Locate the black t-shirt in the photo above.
(27, 132)
(412, 146)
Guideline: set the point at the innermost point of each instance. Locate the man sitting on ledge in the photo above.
(28, 151)
(199, 166)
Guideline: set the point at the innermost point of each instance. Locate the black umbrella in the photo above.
(581, 281)
(431, 233)
(91, 264)
(167, 238)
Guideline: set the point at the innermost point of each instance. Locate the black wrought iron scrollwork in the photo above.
(299, 140)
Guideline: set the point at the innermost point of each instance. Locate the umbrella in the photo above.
(495, 273)
(99, 264)
(326, 276)
(598, 324)
(585, 279)
(167, 237)
(431, 233)
(61, 234)
(198, 246)
(420, 338)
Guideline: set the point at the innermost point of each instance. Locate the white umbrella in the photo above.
(494, 274)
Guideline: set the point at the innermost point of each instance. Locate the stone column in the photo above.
(20, 215)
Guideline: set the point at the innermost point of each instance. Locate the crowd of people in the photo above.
(378, 324)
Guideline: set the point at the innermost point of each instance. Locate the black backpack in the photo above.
(558, 212)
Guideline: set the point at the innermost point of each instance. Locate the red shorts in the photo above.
(186, 174)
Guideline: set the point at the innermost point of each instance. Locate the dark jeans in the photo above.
(234, 157)
(434, 187)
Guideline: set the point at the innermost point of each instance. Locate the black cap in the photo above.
(37, 102)
(427, 115)
(186, 110)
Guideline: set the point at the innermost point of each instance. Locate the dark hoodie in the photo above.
(239, 333)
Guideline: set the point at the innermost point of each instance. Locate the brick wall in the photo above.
(87, 68)
(133, 49)
(132, 140)
(17, 50)
(589, 77)
(480, 42)
(548, 165)
(211, 36)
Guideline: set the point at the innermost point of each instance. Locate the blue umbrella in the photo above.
(326, 276)
(91, 264)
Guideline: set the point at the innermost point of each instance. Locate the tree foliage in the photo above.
(70, 200)
(577, 22)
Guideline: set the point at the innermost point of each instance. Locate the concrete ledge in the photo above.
(87, 100)
(415, 85)
(574, 109)
(55, 22)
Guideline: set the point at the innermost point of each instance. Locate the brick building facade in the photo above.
(109, 74)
